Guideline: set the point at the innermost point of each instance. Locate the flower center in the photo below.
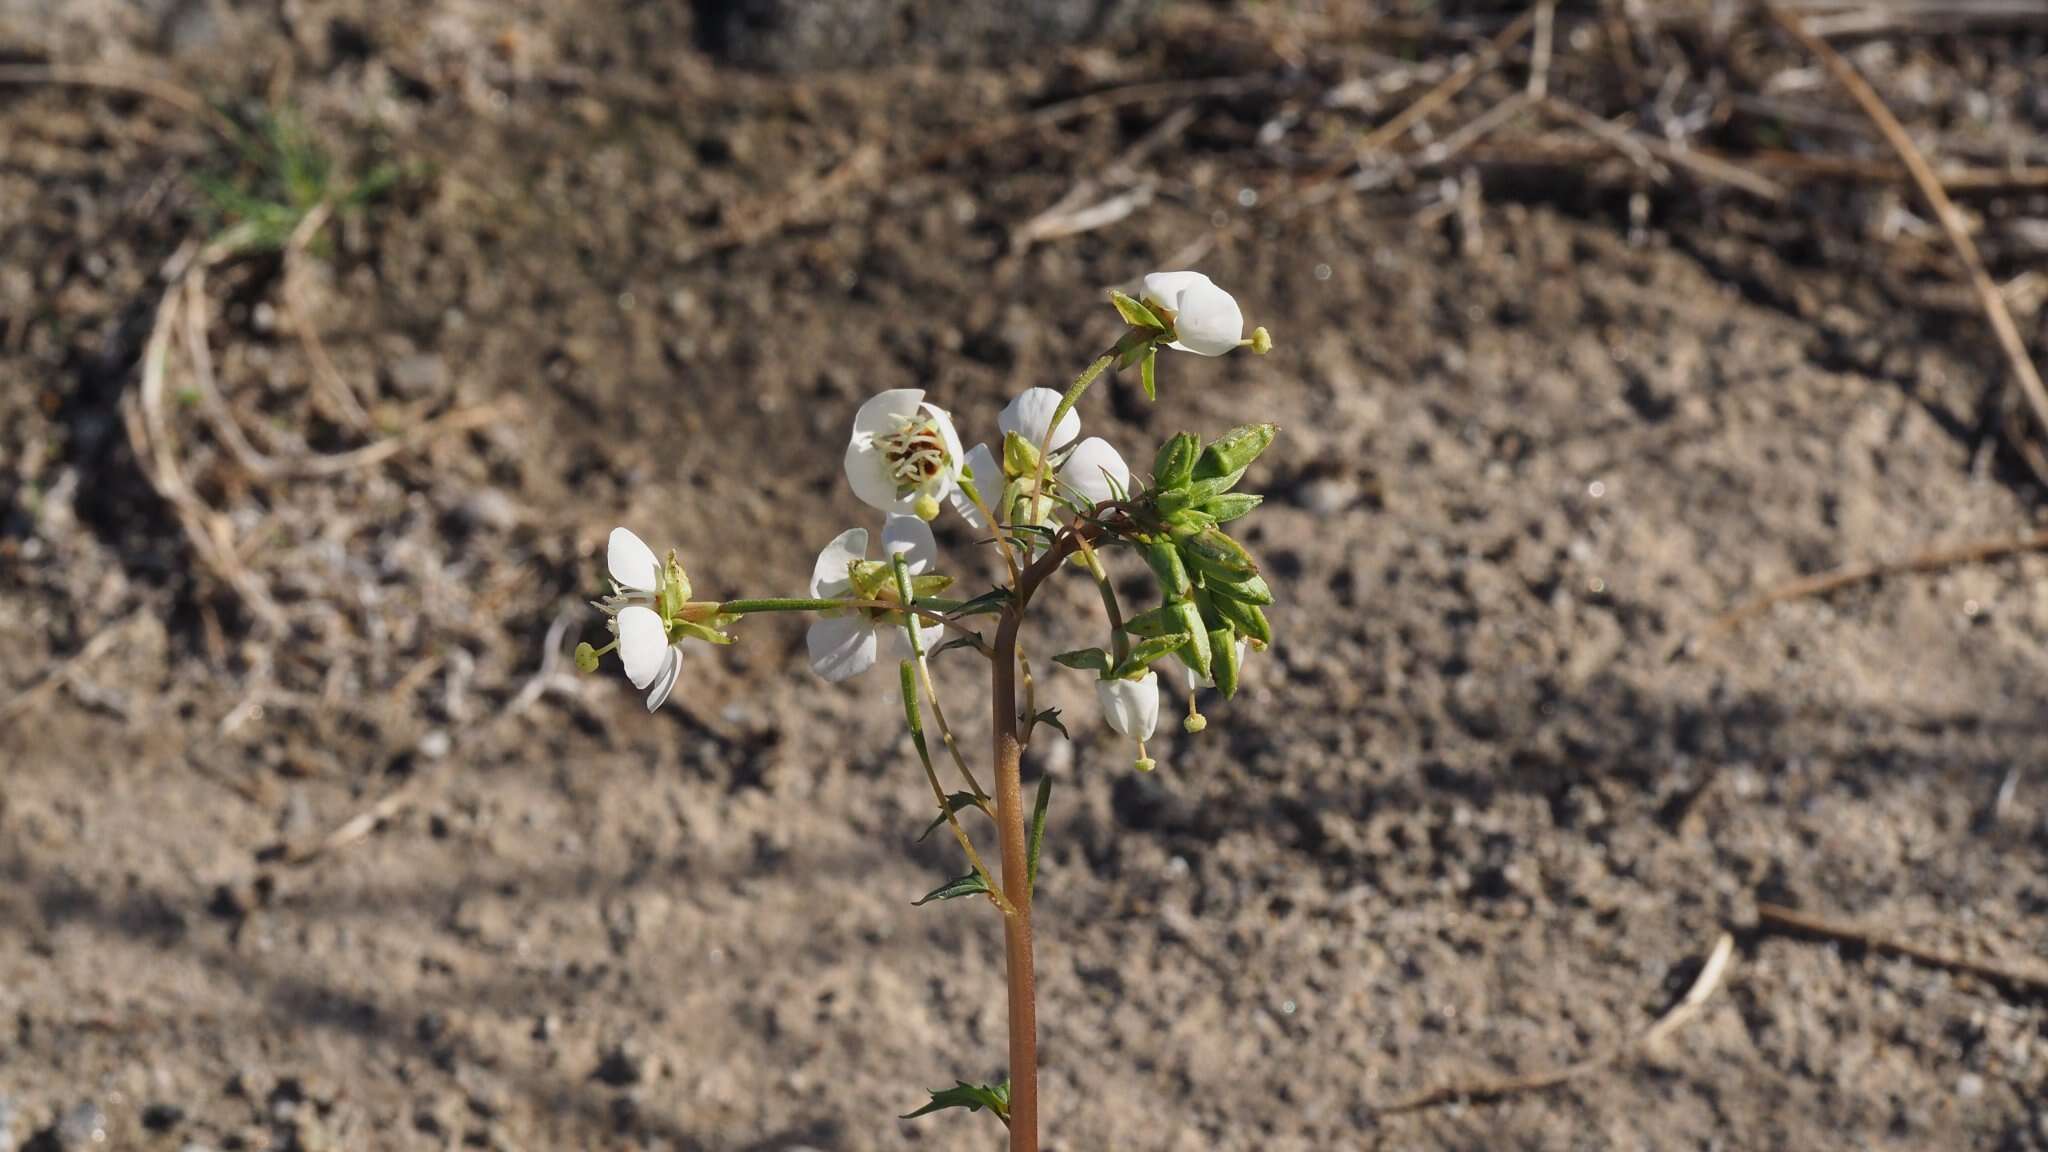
(915, 452)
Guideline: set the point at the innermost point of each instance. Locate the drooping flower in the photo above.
(849, 641)
(646, 603)
(1131, 707)
(904, 457)
(1205, 319)
(1007, 482)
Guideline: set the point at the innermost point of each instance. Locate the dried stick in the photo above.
(118, 80)
(1539, 58)
(1703, 987)
(324, 372)
(1791, 921)
(1823, 583)
(1073, 213)
(61, 673)
(1448, 88)
(2002, 327)
(1647, 151)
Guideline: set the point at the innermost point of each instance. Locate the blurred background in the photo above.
(336, 334)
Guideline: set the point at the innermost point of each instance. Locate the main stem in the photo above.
(1010, 822)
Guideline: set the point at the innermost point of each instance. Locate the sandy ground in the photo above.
(1477, 814)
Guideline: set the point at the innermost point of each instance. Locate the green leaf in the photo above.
(1223, 646)
(1252, 591)
(1247, 619)
(1213, 553)
(969, 885)
(1145, 652)
(1135, 345)
(1037, 829)
(993, 600)
(958, 802)
(1166, 565)
(1235, 450)
(1086, 659)
(1134, 311)
(1189, 522)
(1051, 719)
(1174, 464)
(1203, 490)
(973, 1097)
(1148, 376)
(965, 640)
(1232, 505)
(930, 584)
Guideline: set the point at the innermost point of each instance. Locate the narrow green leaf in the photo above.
(1223, 646)
(969, 885)
(1155, 621)
(965, 640)
(1204, 489)
(1134, 311)
(1086, 659)
(993, 600)
(1145, 652)
(1189, 522)
(1147, 373)
(1252, 591)
(1196, 651)
(1246, 619)
(1037, 830)
(1051, 719)
(958, 802)
(973, 1097)
(1166, 565)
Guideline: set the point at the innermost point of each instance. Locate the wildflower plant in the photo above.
(1047, 502)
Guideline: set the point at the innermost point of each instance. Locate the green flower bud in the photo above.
(1175, 462)
(1235, 450)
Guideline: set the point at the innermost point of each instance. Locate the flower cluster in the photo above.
(904, 459)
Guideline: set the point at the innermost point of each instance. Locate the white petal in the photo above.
(642, 640)
(665, 681)
(988, 483)
(1166, 287)
(867, 471)
(631, 561)
(1130, 706)
(912, 537)
(841, 646)
(896, 639)
(1209, 323)
(1030, 413)
(956, 459)
(828, 575)
(1091, 467)
(885, 410)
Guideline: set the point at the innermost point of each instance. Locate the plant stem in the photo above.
(1011, 819)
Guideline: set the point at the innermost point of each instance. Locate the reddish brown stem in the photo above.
(1010, 821)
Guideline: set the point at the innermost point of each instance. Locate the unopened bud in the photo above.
(586, 658)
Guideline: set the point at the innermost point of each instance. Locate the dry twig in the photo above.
(61, 673)
(2031, 981)
(110, 79)
(1703, 987)
(1946, 214)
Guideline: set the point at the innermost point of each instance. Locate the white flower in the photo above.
(1131, 706)
(1205, 318)
(848, 643)
(1084, 469)
(1096, 471)
(651, 660)
(904, 456)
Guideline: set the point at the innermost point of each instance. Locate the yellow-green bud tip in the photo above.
(1194, 723)
(1262, 341)
(1145, 764)
(586, 658)
(926, 508)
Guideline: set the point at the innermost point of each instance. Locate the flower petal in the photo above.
(642, 640)
(631, 561)
(1166, 287)
(841, 646)
(1030, 413)
(912, 537)
(956, 458)
(1209, 323)
(1092, 466)
(665, 680)
(867, 471)
(885, 410)
(896, 639)
(1130, 706)
(988, 482)
(828, 575)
